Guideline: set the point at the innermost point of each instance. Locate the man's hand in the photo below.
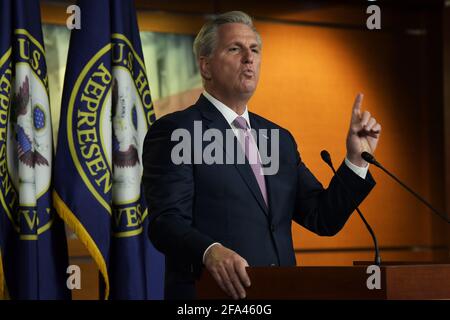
(363, 134)
(228, 269)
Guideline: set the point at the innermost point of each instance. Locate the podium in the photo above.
(398, 281)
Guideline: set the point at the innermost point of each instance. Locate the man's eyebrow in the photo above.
(241, 44)
(235, 43)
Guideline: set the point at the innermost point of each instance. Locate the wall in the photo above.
(446, 88)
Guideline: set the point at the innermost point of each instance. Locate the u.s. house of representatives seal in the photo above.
(110, 110)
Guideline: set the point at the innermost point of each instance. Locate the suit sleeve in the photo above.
(169, 192)
(325, 211)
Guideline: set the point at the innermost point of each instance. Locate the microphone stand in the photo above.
(327, 159)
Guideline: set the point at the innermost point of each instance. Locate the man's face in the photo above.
(233, 67)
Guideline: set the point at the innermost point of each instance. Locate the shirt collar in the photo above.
(227, 112)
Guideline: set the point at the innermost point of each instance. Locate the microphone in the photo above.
(325, 155)
(371, 159)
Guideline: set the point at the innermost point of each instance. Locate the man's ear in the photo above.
(204, 67)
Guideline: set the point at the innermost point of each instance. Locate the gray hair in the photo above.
(206, 40)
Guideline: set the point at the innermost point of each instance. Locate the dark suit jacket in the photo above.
(193, 205)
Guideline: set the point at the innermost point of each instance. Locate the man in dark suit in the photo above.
(224, 216)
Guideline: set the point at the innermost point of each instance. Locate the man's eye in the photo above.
(255, 50)
(233, 49)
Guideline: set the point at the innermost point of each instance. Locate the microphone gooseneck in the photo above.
(325, 155)
(371, 159)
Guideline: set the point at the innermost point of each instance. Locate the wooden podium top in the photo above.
(400, 281)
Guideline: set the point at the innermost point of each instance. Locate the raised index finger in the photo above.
(357, 106)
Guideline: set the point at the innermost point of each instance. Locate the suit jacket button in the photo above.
(272, 227)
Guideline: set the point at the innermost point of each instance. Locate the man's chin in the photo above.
(248, 90)
(247, 94)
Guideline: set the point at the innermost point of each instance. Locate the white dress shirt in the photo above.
(228, 113)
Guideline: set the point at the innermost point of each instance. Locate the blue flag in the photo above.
(106, 112)
(32, 237)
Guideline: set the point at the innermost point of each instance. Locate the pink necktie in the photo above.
(251, 152)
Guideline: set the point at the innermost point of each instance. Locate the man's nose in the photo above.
(248, 56)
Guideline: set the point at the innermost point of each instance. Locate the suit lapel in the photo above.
(214, 119)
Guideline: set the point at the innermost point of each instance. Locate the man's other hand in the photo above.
(228, 270)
